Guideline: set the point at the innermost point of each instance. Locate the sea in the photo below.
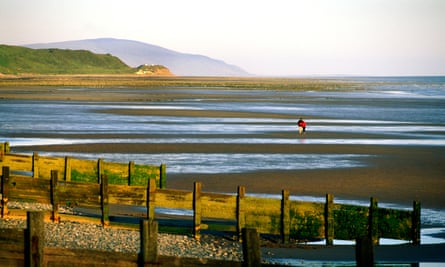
(400, 110)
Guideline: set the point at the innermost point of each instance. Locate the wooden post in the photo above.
(197, 210)
(54, 196)
(2, 151)
(35, 165)
(240, 218)
(251, 248)
(364, 251)
(34, 239)
(329, 220)
(5, 190)
(151, 199)
(373, 223)
(7, 148)
(130, 171)
(163, 176)
(105, 208)
(285, 216)
(100, 170)
(416, 223)
(67, 169)
(149, 242)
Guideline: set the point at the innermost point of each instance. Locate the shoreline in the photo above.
(380, 179)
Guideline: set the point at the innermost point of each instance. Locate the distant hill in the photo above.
(22, 60)
(135, 53)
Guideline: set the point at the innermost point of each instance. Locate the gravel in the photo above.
(70, 234)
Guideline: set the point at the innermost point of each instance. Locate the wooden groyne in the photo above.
(221, 212)
(283, 217)
(81, 170)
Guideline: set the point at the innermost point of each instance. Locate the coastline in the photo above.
(396, 174)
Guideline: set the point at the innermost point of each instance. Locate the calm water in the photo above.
(405, 111)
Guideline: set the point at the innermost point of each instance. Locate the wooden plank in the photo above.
(55, 257)
(12, 236)
(127, 195)
(79, 194)
(255, 205)
(307, 219)
(84, 170)
(218, 206)
(264, 223)
(395, 224)
(174, 199)
(117, 173)
(26, 189)
(16, 162)
(48, 164)
(142, 173)
(350, 221)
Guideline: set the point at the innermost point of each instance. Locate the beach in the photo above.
(390, 148)
(395, 173)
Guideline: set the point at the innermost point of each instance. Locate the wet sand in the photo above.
(397, 174)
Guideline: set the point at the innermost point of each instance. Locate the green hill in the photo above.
(21, 60)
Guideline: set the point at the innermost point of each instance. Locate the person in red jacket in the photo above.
(301, 126)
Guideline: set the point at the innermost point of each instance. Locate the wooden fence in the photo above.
(25, 247)
(81, 170)
(222, 212)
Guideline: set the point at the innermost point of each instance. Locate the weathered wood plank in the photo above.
(307, 219)
(174, 199)
(127, 195)
(79, 194)
(84, 170)
(48, 164)
(30, 190)
(218, 206)
(16, 162)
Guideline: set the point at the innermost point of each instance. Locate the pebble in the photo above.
(70, 234)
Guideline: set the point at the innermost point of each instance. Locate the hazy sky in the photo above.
(281, 37)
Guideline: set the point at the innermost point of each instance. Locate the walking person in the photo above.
(301, 126)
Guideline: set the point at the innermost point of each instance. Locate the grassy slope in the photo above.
(21, 60)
